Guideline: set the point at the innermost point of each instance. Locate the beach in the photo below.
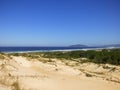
(23, 73)
(59, 44)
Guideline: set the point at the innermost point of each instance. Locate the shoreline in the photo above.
(61, 50)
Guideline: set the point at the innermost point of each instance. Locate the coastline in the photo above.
(50, 49)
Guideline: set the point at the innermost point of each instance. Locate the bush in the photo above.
(100, 57)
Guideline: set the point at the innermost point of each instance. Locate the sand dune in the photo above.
(21, 73)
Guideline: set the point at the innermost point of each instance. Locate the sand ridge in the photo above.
(21, 73)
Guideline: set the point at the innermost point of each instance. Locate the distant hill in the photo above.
(78, 45)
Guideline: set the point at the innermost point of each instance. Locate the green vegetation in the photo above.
(100, 56)
(97, 56)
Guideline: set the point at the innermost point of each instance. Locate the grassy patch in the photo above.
(88, 75)
(15, 86)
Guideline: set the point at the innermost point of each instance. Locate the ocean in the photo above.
(42, 49)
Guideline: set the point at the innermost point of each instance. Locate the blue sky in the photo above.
(59, 22)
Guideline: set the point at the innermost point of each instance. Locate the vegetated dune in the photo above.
(23, 73)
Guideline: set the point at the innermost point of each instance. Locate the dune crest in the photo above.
(22, 73)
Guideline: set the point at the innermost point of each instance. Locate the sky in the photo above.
(59, 22)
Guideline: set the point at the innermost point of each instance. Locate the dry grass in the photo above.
(2, 56)
(88, 75)
(15, 86)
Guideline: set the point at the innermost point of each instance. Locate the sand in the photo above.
(21, 73)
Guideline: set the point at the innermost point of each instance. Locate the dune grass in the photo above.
(97, 56)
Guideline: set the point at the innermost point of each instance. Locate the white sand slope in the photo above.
(26, 74)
